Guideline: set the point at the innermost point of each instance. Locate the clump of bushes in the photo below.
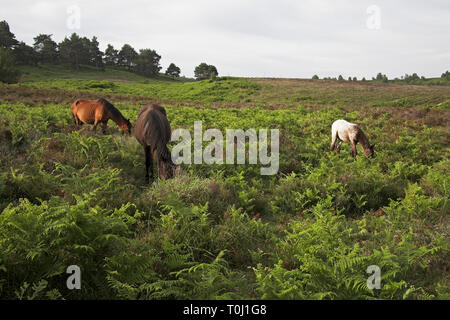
(104, 84)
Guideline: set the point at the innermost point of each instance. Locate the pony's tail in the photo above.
(73, 109)
(75, 104)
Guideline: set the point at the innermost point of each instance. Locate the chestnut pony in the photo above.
(98, 111)
(349, 132)
(153, 132)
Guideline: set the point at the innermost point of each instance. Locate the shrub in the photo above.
(98, 84)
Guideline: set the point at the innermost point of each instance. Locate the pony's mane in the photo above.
(114, 111)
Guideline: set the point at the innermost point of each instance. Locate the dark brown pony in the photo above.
(153, 133)
(99, 111)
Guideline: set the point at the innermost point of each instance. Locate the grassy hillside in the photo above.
(46, 72)
(336, 93)
(260, 92)
(70, 196)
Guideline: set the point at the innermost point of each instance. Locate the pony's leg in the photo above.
(333, 140)
(338, 148)
(158, 165)
(354, 149)
(76, 120)
(148, 163)
(95, 125)
(104, 125)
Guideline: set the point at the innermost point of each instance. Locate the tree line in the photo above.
(413, 78)
(76, 51)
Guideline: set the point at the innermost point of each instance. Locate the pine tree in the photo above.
(46, 49)
(173, 71)
(111, 56)
(127, 57)
(8, 70)
(147, 63)
(7, 38)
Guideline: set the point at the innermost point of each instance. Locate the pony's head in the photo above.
(126, 127)
(167, 169)
(370, 152)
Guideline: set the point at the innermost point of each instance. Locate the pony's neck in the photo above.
(118, 118)
(363, 141)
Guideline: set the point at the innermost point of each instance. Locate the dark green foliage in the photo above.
(73, 51)
(7, 38)
(147, 63)
(446, 76)
(173, 71)
(78, 50)
(111, 56)
(25, 54)
(53, 235)
(127, 57)
(204, 71)
(381, 77)
(96, 56)
(8, 70)
(411, 78)
(320, 260)
(46, 49)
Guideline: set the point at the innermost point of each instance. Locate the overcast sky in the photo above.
(257, 38)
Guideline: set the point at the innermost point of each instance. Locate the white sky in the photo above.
(257, 38)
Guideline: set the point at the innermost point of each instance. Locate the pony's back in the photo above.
(153, 129)
(345, 130)
(338, 124)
